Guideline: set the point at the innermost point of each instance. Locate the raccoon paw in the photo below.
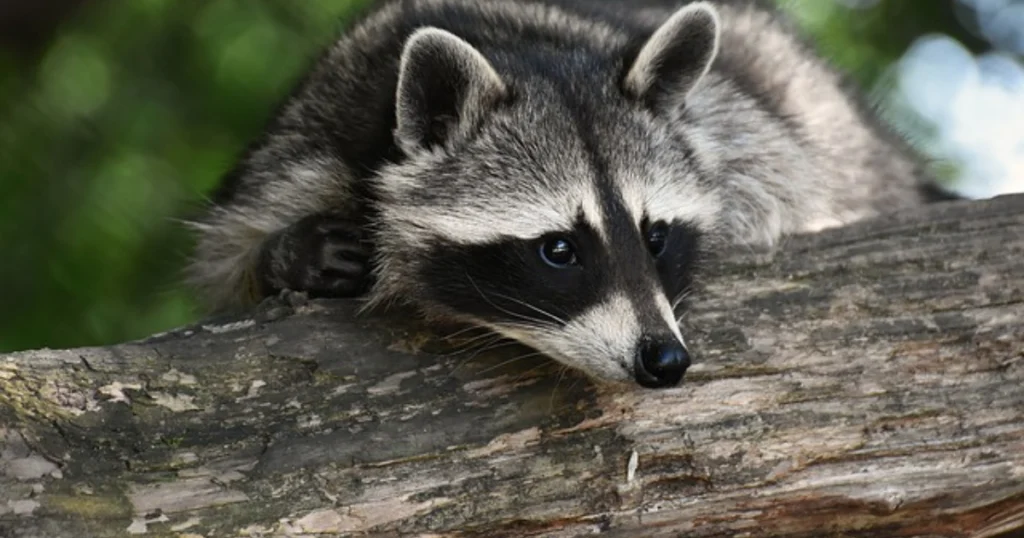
(324, 255)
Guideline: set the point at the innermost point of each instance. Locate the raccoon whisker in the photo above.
(529, 321)
(574, 383)
(468, 359)
(537, 309)
(472, 341)
(492, 347)
(680, 298)
(679, 320)
(466, 330)
(551, 400)
(476, 343)
(512, 360)
(497, 341)
(678, 301)
(525, 373)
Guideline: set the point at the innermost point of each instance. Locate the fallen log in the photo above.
(865, 381)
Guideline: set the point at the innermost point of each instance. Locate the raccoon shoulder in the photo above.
(798, 146)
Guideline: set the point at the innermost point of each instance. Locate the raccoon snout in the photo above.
(660, 363)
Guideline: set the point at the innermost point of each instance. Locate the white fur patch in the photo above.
(663, 196)
(526, 213)
(521, 219)
(601, 342)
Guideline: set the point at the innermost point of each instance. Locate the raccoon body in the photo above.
(552, 170)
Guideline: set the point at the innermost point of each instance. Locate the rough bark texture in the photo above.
(867, 381)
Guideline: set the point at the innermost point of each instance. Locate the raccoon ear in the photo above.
(445, 86)
(676, 56)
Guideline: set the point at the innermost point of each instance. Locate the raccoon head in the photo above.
(549, 198)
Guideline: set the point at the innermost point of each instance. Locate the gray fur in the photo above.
(690, 37)
(714, 114)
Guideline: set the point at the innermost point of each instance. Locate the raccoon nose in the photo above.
(661, 364)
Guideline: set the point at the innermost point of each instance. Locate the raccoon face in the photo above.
(558, 210)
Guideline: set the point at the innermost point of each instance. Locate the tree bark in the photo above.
(864, 381)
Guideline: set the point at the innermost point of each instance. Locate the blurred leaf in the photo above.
(75, 76)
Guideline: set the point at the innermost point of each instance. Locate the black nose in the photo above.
(661, 363)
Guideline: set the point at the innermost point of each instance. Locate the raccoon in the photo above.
(551, 170)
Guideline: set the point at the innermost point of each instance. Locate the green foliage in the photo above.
(127, 120)
(865, 42)
(135, 110)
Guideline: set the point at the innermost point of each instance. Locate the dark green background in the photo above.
(118, 116)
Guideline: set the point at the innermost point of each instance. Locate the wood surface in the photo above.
(864, 381)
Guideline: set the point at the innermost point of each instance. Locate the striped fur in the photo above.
(461, 133)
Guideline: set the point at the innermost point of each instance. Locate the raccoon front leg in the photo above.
(324, 255)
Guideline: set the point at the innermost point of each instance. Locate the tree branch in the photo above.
(866, 381)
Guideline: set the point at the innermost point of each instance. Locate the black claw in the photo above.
(324, 255)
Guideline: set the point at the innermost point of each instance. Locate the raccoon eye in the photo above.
(657, 238)
(558, 252)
